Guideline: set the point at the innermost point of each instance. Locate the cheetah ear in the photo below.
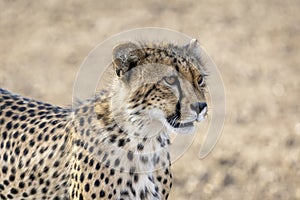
(192, 47)
(125, 57)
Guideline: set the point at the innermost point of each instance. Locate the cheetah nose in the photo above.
(198, 107)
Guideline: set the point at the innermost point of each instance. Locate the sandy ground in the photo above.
(254, 43)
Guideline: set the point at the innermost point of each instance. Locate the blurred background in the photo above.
(255, 44)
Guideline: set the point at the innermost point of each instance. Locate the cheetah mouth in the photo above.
(181, 125)
(177, 124)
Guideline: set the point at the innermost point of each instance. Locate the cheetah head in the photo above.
(159, 86)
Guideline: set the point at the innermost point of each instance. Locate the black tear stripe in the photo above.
(178, 109)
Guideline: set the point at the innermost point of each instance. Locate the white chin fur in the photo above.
(183, 130)
(201, 115)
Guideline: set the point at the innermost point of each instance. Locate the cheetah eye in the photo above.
(171, 80)
(201, 81)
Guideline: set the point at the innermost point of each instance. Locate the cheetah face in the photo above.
(161, 85)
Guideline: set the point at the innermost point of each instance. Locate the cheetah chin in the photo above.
(184, 127)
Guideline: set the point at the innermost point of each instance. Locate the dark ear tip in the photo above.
(119, 72)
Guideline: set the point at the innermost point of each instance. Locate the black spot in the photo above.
(50, 155)
(107, 164)
(104, 157)
(81, 177)
(102, 193)
(23, 117)
(119, 181)
(16, 134)
(97, 183)
(80, 156)
(2, 197)
(166, 171)
(5, 157)
(25, 194)
(6, 182)
(91, 149)
(144, 159)
(93, 196)
(11, 178)
(91, 163)
(102, 176)
(159, 178)
(46, 138)
(4, 135)
(124, 193)
(32, 177)
(46, 169)
(55, 174)
(32, 130)
(44, 190)
(131, 171)
(140, 147)
(112, 172)
(13, 170)
(20, 165)
(25, 152)
(135, 178)
(7, 144)
(8, 113)
(16, 126)
(80, 197)
(4, 169)
(142, 194)
(8, 125)
(165, 181)
(42, 125)
(23, 126)
(130, 155)
(121, 142)
(87, 187)
(117, 162)
(21, 185)
(106, 180)
(81, 121)
(90, 176)
(31, 143)
(86, 160)
(33, 191)
(56, 164)
(113, 138)
(21, 109)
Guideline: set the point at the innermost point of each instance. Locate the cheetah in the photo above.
(113, 146)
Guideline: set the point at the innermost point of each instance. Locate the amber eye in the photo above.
(171, 80)
(201, 81)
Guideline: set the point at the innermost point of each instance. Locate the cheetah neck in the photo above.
(131, 145)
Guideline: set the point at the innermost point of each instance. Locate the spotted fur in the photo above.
(114, 146)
